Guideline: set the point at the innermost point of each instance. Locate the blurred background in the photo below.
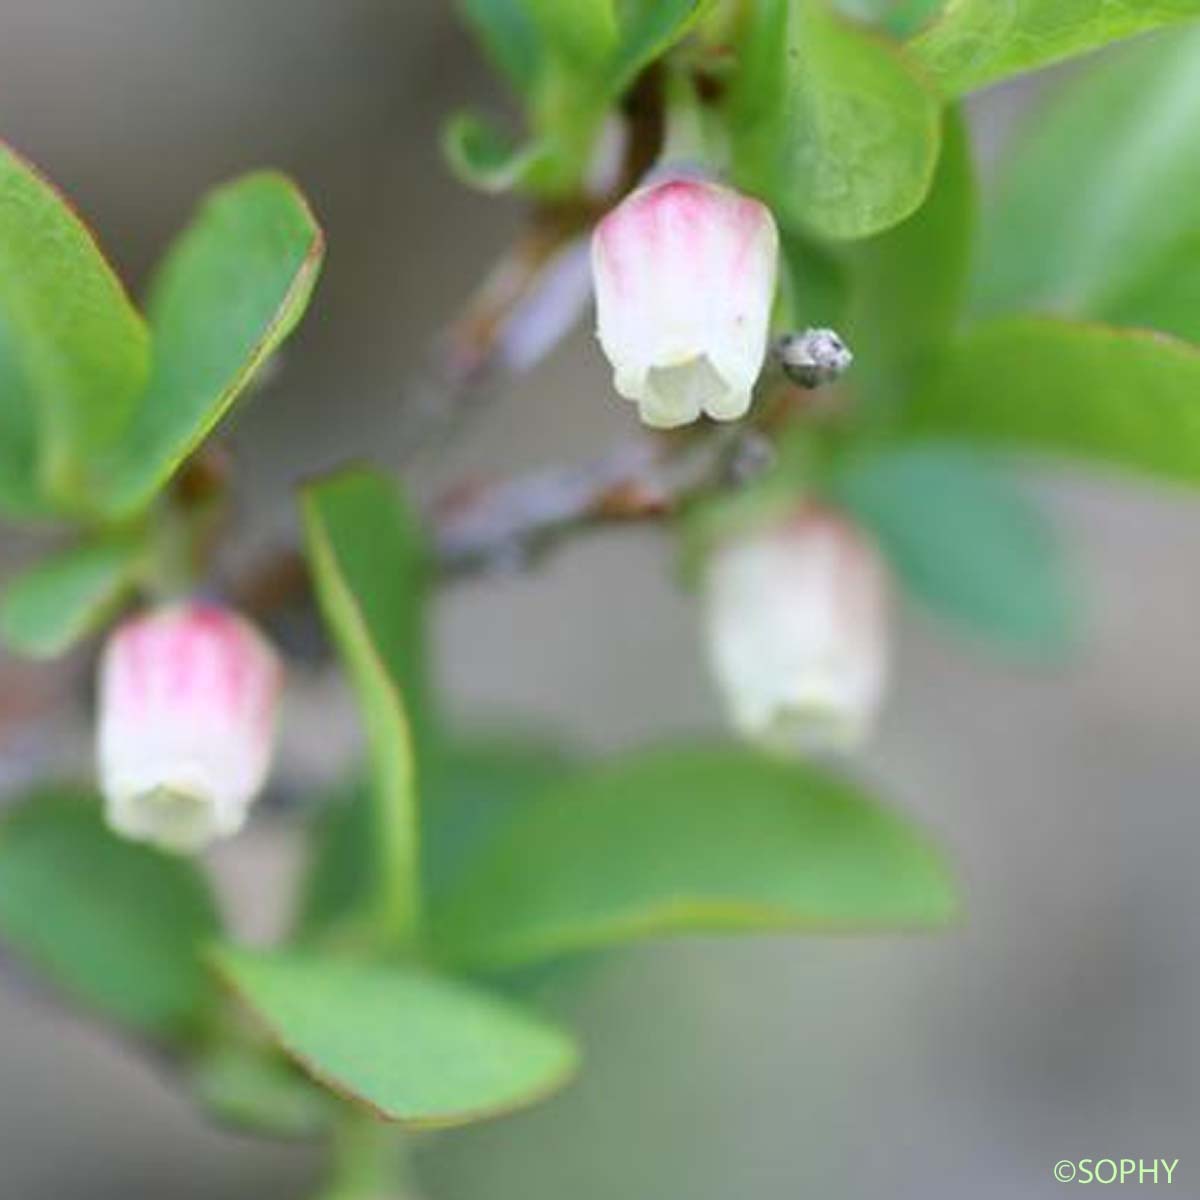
(1058, 1022)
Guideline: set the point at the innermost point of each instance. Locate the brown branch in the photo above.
(485, 526)
(503, 523)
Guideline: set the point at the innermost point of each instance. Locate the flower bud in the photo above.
(813, 358)
(685, 278)
(188, 701)
(797, 619)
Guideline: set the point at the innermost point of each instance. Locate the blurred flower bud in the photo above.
(685, 278)
(798, 632)
(188, 700)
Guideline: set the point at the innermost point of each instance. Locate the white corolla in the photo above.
(684, 273)
(188, 699)
(797, 618)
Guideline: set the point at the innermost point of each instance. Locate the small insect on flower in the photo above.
(797, 622)
(188, 702)
(685, 278)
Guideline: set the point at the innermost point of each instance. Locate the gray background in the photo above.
(1059, 1022)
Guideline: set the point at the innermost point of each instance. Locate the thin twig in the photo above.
(482, 527)
(507, 523)
(500, 523)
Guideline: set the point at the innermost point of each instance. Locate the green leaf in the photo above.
(830, 123)
(369, 566)
(509, 37)
(232, 288)
(978, 42)
(588, 53)
(469, 791)
(612, 46)
(476, 789)
(1123, 397)
(65, 597)
(72, 346)
(649, 28)
(118, 926)
(581, 33)
(410, 1046)
(690, 840)
(895, 296)
(21, 494)
(965, 541)
(909, 282)
(1123, 138)
(484, 158)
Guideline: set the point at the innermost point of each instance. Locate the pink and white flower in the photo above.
(188, 702)
(685, 278)
(797, 619)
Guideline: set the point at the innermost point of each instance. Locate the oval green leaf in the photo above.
(232, 288)
(410, 1046)
(978, 42)
(1121, 397)
(690, 840)
(831, 124)
(75, 351)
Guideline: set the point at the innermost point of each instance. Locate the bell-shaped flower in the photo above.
(685, 277)
(797, 622)
(188, 699)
